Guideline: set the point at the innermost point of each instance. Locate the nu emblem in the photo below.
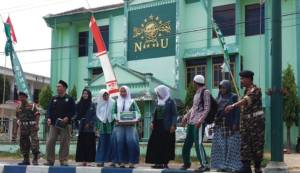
(151, 34)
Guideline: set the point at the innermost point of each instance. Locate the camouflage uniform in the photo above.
(28, 118)
(252, 127)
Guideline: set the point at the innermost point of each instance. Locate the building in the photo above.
(8, 125)
(35, 83)
(153, 42)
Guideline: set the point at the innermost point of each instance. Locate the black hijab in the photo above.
(84, 104)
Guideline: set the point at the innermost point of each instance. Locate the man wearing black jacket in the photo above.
(60, 112)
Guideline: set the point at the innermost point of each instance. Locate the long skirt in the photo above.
(86, 147)
(103, 153)
(225, 152)
(125, 145)
(161, 145)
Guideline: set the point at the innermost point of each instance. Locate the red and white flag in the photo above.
(12, 31)
(109, 75)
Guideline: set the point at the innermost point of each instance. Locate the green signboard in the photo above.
(152, 32)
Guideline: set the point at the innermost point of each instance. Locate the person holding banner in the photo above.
(104, 112)
(86, 141)
(161, 145)
(125, 139)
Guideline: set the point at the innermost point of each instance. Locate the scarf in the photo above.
(104, 107)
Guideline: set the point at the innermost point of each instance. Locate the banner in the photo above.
(109, 75)
(152, 32)
(15, 63)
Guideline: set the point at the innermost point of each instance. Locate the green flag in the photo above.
(15, 63)
(8, 44)
(223, 45)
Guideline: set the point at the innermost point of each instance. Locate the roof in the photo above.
(29, 76)
(85, 10)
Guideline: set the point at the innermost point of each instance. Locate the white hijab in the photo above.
(164, 92)
(124, 102)
(104, 108)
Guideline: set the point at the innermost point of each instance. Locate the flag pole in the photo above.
(3, 95)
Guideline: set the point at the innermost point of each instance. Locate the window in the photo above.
(224, 16)
(254, 19)
(105, 35)
(83, 43)
(194, 67)
(218, 75)
(96, 72)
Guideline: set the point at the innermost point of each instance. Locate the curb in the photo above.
(72, 169)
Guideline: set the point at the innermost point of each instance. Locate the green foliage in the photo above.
(191, 90)
(141, 104)
(73, 92)
(7, 88)
(290, 100)
(45, 97)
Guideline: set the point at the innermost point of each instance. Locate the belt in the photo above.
(26, 123)
(255, 114)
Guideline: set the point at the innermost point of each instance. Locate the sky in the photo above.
(32, 31)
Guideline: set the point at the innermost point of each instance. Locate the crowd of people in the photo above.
(238, 128)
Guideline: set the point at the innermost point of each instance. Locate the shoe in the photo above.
(155, 166)
(258, 170)
(83, 164)
(131, 165)
(100, 165)
(202, 169)
(64, 164)
(222, 170)
(24, 162)
(35, 159)
(48, 164)
(257, 166)
(122, 165)
(113, 165)
(185, 166)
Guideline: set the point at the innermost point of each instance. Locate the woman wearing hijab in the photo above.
(104, 112)
(125, 140)
(225, 154)
(86, 142)
(161, 145)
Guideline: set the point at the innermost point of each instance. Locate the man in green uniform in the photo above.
(252, 127)
(28, 120)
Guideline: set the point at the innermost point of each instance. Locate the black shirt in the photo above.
(61, 107)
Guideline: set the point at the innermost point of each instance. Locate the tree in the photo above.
(290, 102)
(7, 88)
(73, 92)
(191, 90)
(45, 97)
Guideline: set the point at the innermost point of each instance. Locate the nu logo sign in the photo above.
(152, 32)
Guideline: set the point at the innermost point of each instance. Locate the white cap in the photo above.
(199, 79)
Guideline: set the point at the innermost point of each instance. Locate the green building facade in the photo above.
(152, 42)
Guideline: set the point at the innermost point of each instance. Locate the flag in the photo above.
(109, 75)
(12, 31)
(8, 45)
(223, 45)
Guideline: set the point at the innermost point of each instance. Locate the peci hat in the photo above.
(199, 79)
(63, 83)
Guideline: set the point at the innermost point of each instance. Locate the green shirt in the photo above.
(105, 128)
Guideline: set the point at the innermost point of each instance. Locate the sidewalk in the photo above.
(293, 162)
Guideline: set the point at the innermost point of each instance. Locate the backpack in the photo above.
(213, 108)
